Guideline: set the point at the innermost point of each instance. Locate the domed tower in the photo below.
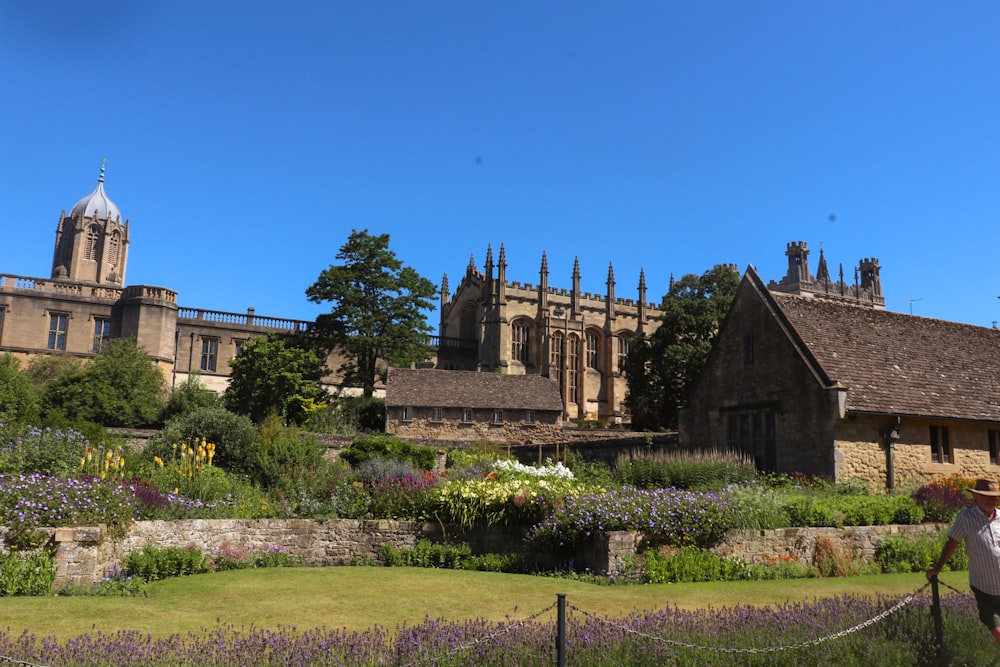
(92, 241)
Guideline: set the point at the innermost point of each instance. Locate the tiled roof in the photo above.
(469, 389)
(901, 364)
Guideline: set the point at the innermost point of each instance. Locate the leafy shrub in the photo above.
(942, 499)
(27, 574)
(349, 415)
(389, 447)
(396, 490)
(152, 563)
(188, 396)
(114, 583)
(19, 400)
(917, 554)
(280, 450)
(451, 556)
(704, 471)
(27, 450)
(840, 510)
(233, 557)
(234, 437)
(691, 564)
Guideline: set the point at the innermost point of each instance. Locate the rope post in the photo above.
(561, 630)
(938, 626)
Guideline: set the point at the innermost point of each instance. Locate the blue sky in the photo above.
(246, 139)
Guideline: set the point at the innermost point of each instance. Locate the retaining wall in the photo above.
(85, 553)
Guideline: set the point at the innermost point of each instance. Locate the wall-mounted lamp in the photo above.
(891, 432)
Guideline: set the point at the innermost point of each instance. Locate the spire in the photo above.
(822, 273)
(471, 268)
(501, 288)
(445, 293)
(575, 295)
(543, 285)
(641, 324)
(610, 307)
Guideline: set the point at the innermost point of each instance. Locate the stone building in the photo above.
(823, 380)
(578, 339)
(469, 406)
(85, 303)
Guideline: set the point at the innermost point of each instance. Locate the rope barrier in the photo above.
(769, 649)
(467, 645)
(11, 661)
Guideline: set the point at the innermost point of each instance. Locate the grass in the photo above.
(357, 598)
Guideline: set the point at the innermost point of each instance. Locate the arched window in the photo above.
(593, 349)
(113, 244)
(520, 341)
(90, 248)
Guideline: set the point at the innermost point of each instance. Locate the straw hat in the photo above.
(986, 487)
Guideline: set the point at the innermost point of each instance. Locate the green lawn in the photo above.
(358, 598)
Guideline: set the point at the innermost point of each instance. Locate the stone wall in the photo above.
(608, 553)
(84, 554)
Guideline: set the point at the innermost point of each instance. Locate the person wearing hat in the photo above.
(979, 528)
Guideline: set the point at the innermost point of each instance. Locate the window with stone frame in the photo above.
(437, 415)
(497, 416)
(407, 414)
(940, 444)
(993, 440)
(209, 353)
(753, 434)
(468, 416)
(573, 365)
(113, 246)
(58, 325)
(520, 341)
(622, 352)
(90, 243)
(529, 416)
(593, 350)
(556, 355)
(102, 334)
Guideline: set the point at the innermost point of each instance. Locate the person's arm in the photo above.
(946, 552)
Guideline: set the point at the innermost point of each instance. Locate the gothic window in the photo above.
(573, 357)
(58, 323)
(113, 244)
(90, 248)
(622, 352)
(555, 355)
(593, 350)
(520, 341)
(102, 333)
(209, 353)
(753, 434)
(940, 446)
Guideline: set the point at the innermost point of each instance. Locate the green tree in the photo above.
(274, 374)
(378, 310)
(234, 437)
(662, 367)
(121, 386)
(188, 395)
(18, 398)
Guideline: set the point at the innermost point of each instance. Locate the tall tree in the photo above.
(273, 375)
(662, 367)
(378, 308)
(18, 397)
(121, 386)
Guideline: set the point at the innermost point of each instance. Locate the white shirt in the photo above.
(982, 542)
